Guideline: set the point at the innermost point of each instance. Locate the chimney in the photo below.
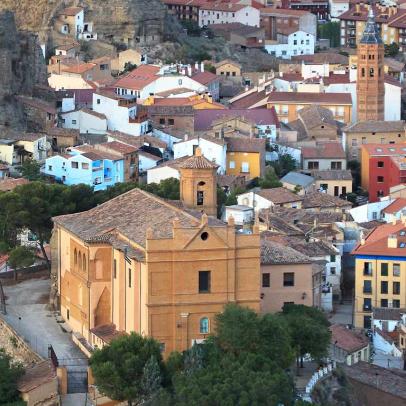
(357, 8)
(189, 70)
(392, 241)
(202, 66)
(196, 65)
(362, 238)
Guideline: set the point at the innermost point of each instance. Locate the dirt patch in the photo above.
(43, 274)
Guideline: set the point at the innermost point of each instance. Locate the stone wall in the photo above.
(15, 346)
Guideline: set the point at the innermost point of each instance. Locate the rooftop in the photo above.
(387, 313)
(10, 183)
(308, 97)
(250, 100)
(71, 11)
(245, 144)
(279, 195)
(385, 149)
(273, 253)
(36, 375)
(138, 78)
(297, 178)
(106, 332)
(325, 150)
(396, 206)
(376, 126)
(386, 380)
(198, 161)
(131, 215)
(332, 175)
(204, 77)
(323, 200)
(348, 340)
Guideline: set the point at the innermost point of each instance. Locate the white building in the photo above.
(85, 120)
(147, 161)
(122, 113)
(370, 211)
(296, 43)
(338, 7)
(214, 149)
(226, 13)
(241, 214)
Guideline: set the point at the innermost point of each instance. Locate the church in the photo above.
(153, 266)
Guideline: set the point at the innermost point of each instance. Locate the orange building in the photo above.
(160, 268)
(370, 73)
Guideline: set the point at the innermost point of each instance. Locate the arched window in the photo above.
(204, 325)
(75, 257)
(80, 260)
(363, 72)
(84, 262)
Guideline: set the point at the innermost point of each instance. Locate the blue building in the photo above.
(86, 165)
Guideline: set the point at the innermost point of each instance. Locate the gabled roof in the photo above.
(279, 195)
(376, 126)
(332, 175)
(323, 200)
(198, 161)
(138, 78)
(349, 340)
(71, 11)
(226, 61)
(310, 98)
(297, 178)
(325, 150)
(245, 144)
(250, 100)
(396, 206)
(36, 375)
(273, 253)
(205, 77)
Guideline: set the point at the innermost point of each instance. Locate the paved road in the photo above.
(342, 314)
(27, 313)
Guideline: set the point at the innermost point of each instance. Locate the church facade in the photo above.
(159, 268)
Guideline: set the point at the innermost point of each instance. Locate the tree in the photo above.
(270, 180)
(331, 31)
(10, 373)
(30, 169)
(283, 165)
(232, 197)
(392, 49)
(130, 368)
(20, 257)
(167, 189)
(309, 330)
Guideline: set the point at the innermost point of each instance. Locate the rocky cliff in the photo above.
(121, 21)
(22, 67)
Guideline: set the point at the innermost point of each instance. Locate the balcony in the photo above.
(127, 102)
(367, 308)
(138, 119)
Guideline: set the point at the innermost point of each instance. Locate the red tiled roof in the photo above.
(71, 11)
(347, 339)
(324, 151)
(385, 149)
(79, 68)
(204, 77)
(308, 97)
(283, 12)
(250, 100)
(376, 242)
(395, 206)
(138, 78)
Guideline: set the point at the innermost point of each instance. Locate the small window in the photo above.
(204, 325)
(384, 287)
(84, 262)
(114, 268)
(200, 197)
(333, 270)
(288, 279)
(49, 167)
(396, 303)
(396, 269)
(384, 269)
(98, 101)
(161, 121)
(384, 302)
(85, 165)
(332, 258)
(396, 288)
(266, 280)
(75, 165)
(232, 165)
(67, 314)
(380, 179)
(129, 277)
(73, 121)
(381, 164)
(204, 281)
(171, 121)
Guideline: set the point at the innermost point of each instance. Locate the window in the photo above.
(396, 303)
(73, 121)
(367, 304)
(75, 257)
(384, 302)
(367, 321)
(288, 279)
(368, 268)
(367, 287)
(232, 164)
(75, 165)
(204, 325)
(396, 288)
(98, 101)
(129, 277)
(200, 198)
(50, 167)
(266, 280)
(245, 167)
(384, 287)
(380, 179)
(84, 262)
(384, 269)
(85, 165)
(333, 270)
(371, 72)
(114, 268)
(161, 121)
(380, 164)
(336, 165)
(332, 258)
(204, 281)
(171, 121)
(67, 314)
(313, 165)
(396, 269)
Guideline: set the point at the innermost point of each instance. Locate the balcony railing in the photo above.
(367, 308)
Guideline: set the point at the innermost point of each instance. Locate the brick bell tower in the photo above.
(370, 73)
(198, 183)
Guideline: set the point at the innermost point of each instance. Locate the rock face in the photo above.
(22, 67)
(122, 21)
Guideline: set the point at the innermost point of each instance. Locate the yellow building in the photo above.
(245, 156)
(144, 264)
(288, 104)
(228, 68)
(380, 271)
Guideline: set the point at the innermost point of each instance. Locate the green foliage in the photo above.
(130, 368)
(21, 257)
(10, 373)
(192, 27)
(283, 165)
(392, 49)
(209, 68)
(331, 31)
(30, 169)
(128, 67)
(168, 189)
(232, 197)
(309, 330)
(270, 179)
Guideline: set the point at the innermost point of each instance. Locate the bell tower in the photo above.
(370, 73)
(198, 183)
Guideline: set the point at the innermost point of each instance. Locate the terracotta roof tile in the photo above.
(308, 97)
(396, 206)
(119, 147)
(323, 200)
(251, 100)
(273, 253)
(325, 150)
(332, 175)
(376, 126)
(36, 375)
(198, 161)
(71, 11)
(205, 77)
(348, 340)
(245, 144)
(138, 78)
(10, 184)
(107, 332)
(279, 195)
(79, 68)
